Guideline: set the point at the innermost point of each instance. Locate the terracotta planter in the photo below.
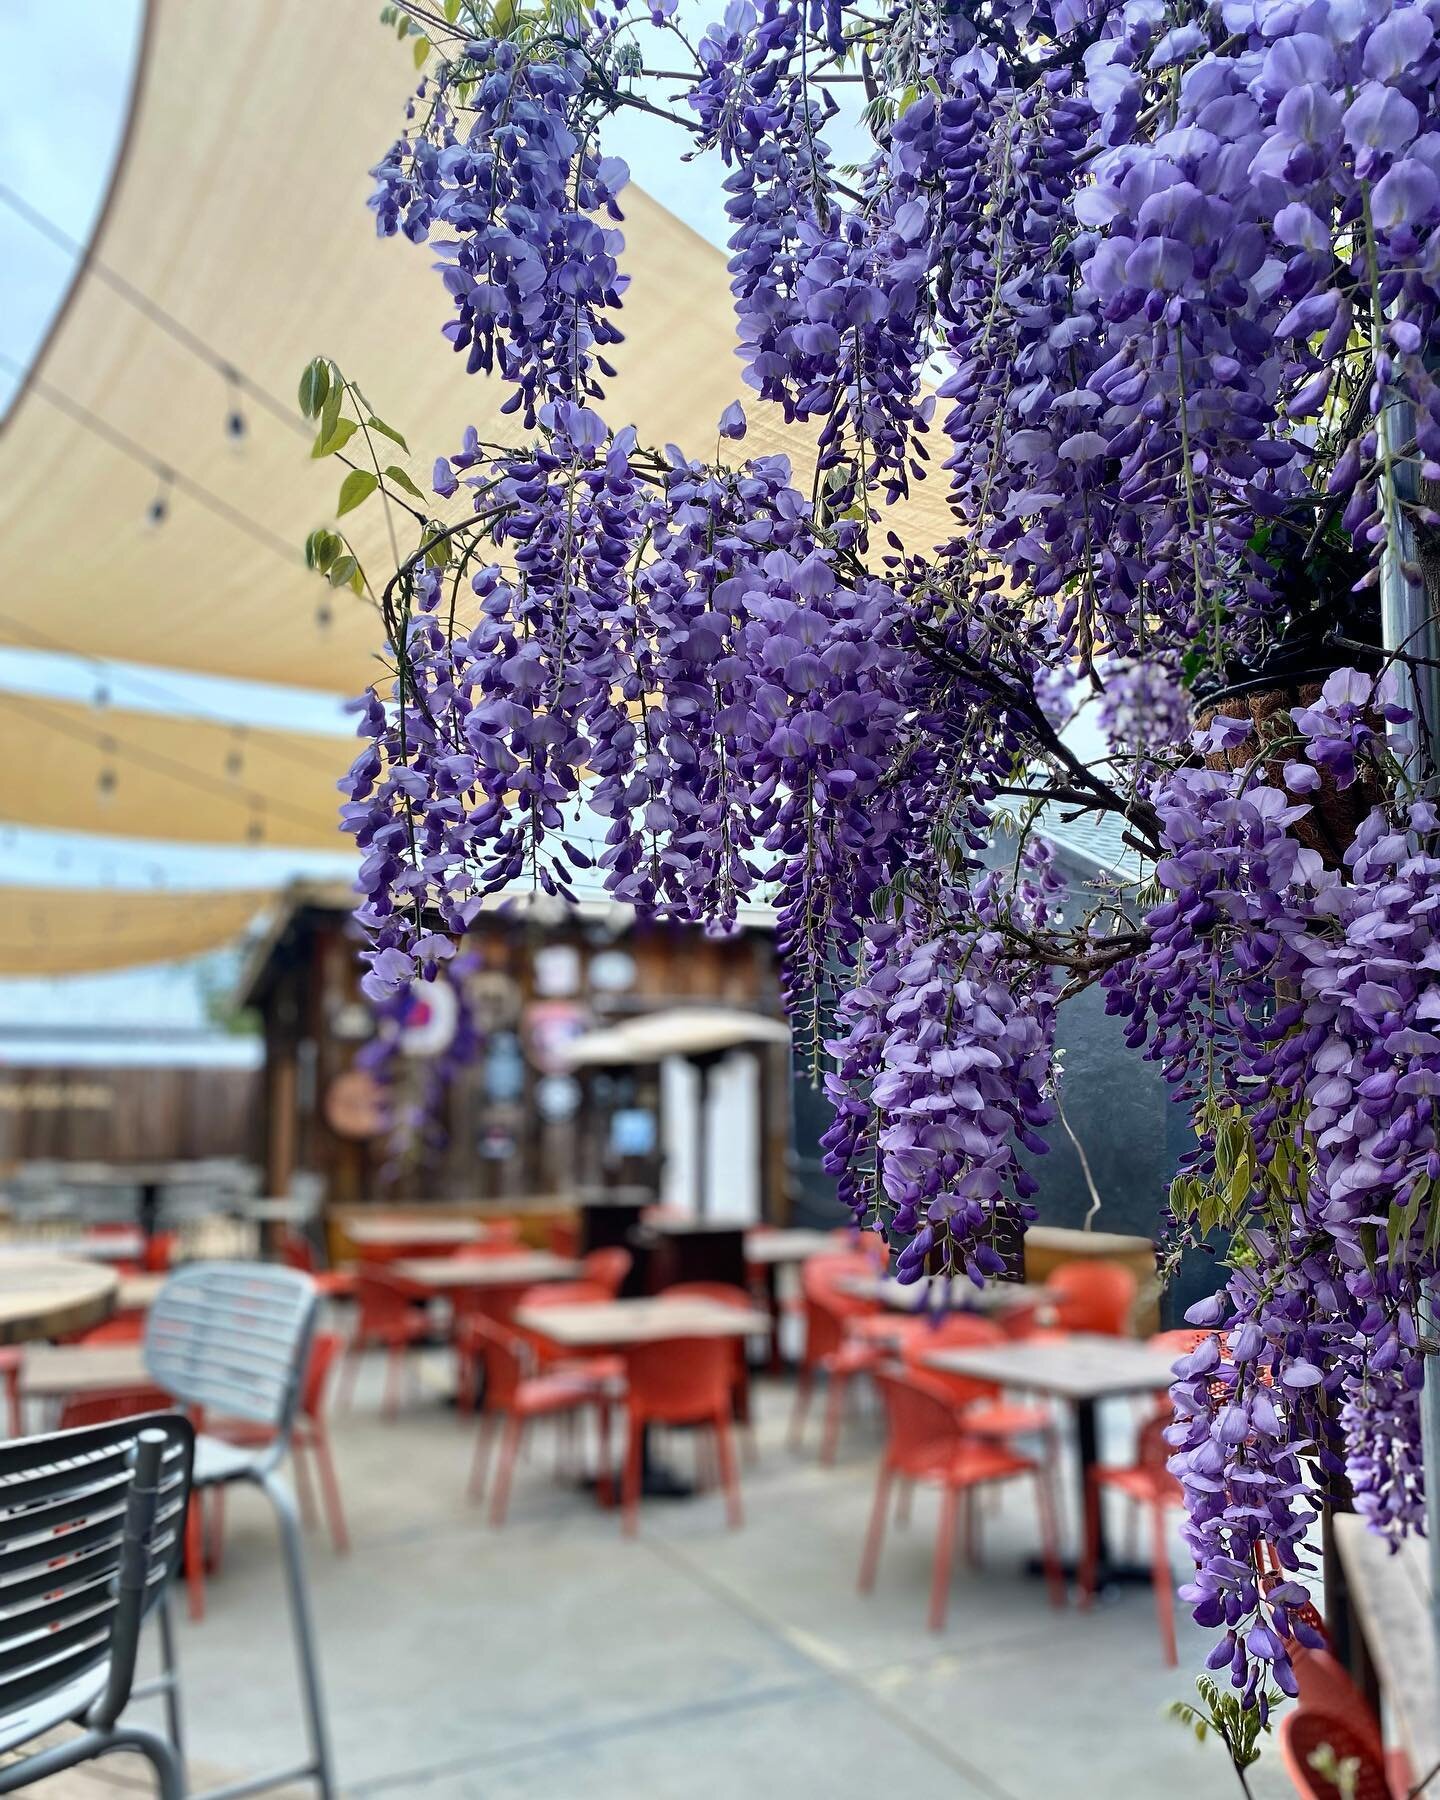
(1335, 813)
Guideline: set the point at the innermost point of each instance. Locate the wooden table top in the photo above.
(1391, 1597)
(910, 1297)
(616, 1323)
(1082, 1365)
(444, 1273)
(56, 1371)
(389, 1229)
(792, 1245)
(42, 1297)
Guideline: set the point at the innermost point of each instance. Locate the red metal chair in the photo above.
(680, 1381)
(517, 1397)
(1092, 1296)
(829, 1347)
(391, 1315)
(1148, 1484)
(724, 1293)
(298, 1252)
(927, 1442)
(607, 1268)
(1307, 1729)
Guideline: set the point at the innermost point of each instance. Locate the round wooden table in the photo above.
(46, 1297)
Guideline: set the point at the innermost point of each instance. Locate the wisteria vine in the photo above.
(1152, 289)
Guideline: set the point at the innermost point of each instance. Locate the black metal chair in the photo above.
(233, 1339)
(92, 1523)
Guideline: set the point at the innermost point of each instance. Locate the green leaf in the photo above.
(343, 569)
(437, 552)
(357, 487)
(387, 431)
(330, 411)
(314, 385)
(321, 549)
(451, 9)
(422, 50)
(344, 430)
(396, 474)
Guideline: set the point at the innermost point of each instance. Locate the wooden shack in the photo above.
(517, 1125)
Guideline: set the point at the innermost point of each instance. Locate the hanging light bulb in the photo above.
(255, 830)
(107, 779)
(234, 759)
(324, 615)
(100, 699)
(158, 510)
(237, 426)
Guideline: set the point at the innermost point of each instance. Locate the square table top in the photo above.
(387, 1229)
(902, 1296)
(793, 1244)
(1081, 1365)
(446, 1273)
(615, 1323)
(56, 1371)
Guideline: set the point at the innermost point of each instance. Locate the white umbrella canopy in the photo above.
(688, 1031)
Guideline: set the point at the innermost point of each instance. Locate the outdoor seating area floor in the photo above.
(557, 1658)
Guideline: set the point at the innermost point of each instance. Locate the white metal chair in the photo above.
(233, 1339)
(91, 1528)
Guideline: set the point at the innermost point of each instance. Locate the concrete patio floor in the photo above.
(555, 1658)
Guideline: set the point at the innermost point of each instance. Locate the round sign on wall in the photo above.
(429, 1022)
(354, 1106)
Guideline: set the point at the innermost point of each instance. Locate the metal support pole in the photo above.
(1410, 628)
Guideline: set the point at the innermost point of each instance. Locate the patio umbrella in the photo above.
(702, 1035)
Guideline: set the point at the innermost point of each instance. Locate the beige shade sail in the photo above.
(154, 775)
(60, 931)
(239, 207)
(677, 1031)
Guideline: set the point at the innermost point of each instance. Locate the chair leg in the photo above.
(480, 1465)
(169, 1676)
(330, 1488)
(834, 1405)
(804, 1390)
(874, 1536)
(604, 1484)
(1049, 1537)
(12, 1402)
(973, 1509)
(944, 1553)
(350, 1365)
(92, 1745)
(729, 1474)
(630, 1493)
(1164, 1587)
(290, 1543)
(509, 1449)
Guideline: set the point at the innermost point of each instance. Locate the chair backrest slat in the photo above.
(233, 1337)
(67, 1502)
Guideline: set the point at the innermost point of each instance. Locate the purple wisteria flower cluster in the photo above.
(1155, 288)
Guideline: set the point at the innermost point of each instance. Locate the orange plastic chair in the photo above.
(1092, 1296)
(1148, 1484)
(1306, 1729)
(724, 1293)
(309, 1437)
(830, 1349)
(388, 1315)
(927, 1442)
(986, 1413)
(553, 1357)
(607, 1268)
(298, 1252)
(680, 1381)
(517, 1397)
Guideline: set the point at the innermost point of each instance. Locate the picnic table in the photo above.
(1080, 1367)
